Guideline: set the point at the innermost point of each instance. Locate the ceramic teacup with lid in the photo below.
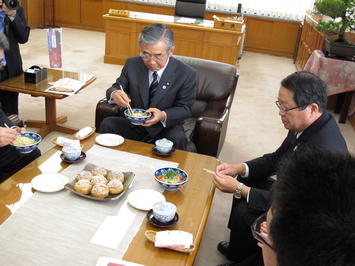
(164, 145)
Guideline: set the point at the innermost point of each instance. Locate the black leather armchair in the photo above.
(190, 8)
(206, 129)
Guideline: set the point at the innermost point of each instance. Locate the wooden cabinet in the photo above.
(67, 12)
(91, 14)
(311, 39)
(271, 36)
(34, 11)
(190, 40)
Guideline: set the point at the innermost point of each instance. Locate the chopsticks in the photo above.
(129, 106)
(6, 125)
(208, 171)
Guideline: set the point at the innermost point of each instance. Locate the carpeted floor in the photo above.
(254, 125)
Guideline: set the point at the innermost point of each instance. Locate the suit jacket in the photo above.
(17, 31)
(175, 93)
(323, 133)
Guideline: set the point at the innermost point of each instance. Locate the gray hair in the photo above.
(153, 33)
(4, 43)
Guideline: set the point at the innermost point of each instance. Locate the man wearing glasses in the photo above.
(311, 220)
(302, 102)
(157, 82)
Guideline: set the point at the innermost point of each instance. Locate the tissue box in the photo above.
(35, 74)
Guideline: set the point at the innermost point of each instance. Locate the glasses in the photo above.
(255, 229)
(285, 110)
(155, 57)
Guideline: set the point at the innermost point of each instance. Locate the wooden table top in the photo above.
(18, 84)
(193, 201)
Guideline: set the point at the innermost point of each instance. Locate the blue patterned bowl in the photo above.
(164, 211)
(137, 120)
(167, 183)
(28, 148)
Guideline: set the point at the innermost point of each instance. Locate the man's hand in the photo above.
(9, 12)
(121, 98)
(225, 183)
(229, 169)
(7, 135)
(156, 117)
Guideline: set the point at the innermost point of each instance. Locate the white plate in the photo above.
(143, 199)
(109, 140)
(50, 182)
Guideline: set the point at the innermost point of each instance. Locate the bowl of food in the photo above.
(137, 116)
(26, 142)
(171, 178)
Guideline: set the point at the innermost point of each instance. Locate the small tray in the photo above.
(150, 235)
(128, 179)
(81, 157)
(87, 135)
(156, 152)
(156, 223)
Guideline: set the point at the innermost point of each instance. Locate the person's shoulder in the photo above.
(133, 60)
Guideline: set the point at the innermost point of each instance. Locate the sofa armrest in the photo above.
(104, 109)
(210, 133)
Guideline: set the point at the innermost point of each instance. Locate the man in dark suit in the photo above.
(11, 159)
(155, 81)
(14, 25)
(302, 102)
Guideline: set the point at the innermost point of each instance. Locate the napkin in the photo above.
(83, 132)
(173, 239)
(65, 141)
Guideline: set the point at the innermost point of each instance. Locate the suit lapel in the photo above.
(143, 85)
(165, 82)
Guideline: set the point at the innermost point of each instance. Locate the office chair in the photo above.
(190, 8)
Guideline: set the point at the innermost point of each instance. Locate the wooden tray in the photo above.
(128, 179)
(150, 235)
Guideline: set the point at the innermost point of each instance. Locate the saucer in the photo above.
(156, 223)
(162, 154)
(81, 157)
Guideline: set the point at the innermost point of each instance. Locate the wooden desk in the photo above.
(193, 202)
(18, 84)
(200, 40)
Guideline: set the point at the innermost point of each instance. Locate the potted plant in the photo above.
(341, 15)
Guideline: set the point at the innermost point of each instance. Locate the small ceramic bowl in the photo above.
(138, 117)
(28, 148)
(164, 211)
(164, 145)
(167, 185)
(71, 152)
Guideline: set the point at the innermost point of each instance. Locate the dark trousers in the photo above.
(122, 126)
(243, 247)
(8, 99)
(12, 161)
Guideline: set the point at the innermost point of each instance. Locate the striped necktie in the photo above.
(153, 86)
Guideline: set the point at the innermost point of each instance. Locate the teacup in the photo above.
(164, 211)
(164, 145)
(71, 152)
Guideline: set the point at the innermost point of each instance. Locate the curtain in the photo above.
(282, 9)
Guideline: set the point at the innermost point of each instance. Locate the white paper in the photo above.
(173, 238)
(83, 132)
(71, 84)
(104, 261)
(65, 141)
(113, 229)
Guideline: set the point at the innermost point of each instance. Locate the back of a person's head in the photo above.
(307, 88)
(313, 207)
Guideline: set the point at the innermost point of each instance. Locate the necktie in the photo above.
(153, 85)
